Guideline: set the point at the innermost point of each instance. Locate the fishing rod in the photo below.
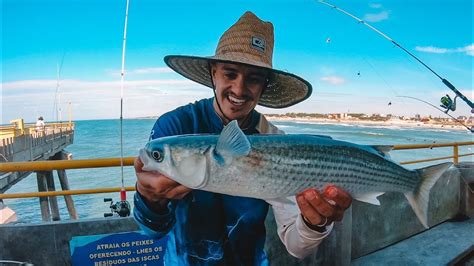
(445, 81)
(455, 119)
(57, 95)
(122, 207)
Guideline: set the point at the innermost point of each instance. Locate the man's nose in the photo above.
(240, 85)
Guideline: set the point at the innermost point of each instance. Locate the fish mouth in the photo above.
(145, 157)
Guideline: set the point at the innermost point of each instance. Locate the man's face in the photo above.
(238, 88)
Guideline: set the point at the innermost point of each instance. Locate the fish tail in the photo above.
(419, 198)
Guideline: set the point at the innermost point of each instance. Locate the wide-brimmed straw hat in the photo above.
(250, 42)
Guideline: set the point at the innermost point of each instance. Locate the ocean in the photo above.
(101, 139)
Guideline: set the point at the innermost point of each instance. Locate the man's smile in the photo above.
(237, 101)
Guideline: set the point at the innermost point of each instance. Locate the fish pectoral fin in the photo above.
(232, 141)
(369, 197)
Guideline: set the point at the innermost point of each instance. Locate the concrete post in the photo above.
(65, 186)
(45, 213)
(53, 201)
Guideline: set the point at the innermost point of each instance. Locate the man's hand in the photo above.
(319, 209)
(156, 188)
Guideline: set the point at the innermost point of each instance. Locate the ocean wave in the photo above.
(372, 133)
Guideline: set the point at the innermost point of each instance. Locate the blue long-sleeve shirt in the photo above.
(206, 228)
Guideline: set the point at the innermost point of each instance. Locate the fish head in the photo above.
(184, 162)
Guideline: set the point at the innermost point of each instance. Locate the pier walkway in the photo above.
(22, 142)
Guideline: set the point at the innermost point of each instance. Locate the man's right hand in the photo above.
(156, 188)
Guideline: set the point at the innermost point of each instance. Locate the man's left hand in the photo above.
(320, 209)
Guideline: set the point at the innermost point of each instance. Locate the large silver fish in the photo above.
(277, 166)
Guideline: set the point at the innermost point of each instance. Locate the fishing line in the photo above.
(439, 109)
(445, 82)
(395, 92)
(122, 76)
(57, 96)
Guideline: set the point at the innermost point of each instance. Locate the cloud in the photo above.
(374, 5)
(93, 85)
(97, 99)
(333, 94)
(383, 15)
(141, 71)
(468, 50)
(334, 80)
(152, 70)
(431, 49)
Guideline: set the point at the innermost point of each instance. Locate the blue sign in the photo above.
(130, 248)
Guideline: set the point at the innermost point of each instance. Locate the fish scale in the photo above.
(305, 159)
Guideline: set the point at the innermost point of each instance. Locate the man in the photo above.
(40, 124)
(210, 228)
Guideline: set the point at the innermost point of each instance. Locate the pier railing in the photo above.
(455, 155)
(28, 142)
(128, 161)
(19, 128)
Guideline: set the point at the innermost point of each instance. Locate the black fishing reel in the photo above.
(122, 208)
(448, 104)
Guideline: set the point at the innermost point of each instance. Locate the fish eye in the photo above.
(157, 156)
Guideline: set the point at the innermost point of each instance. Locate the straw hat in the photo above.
(250, 42)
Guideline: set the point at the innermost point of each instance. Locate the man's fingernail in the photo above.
(310, 195)
(332, 192)
(299, 198)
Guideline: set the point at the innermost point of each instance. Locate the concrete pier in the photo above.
(22, 142)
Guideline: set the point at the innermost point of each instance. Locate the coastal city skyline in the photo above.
(351, 68)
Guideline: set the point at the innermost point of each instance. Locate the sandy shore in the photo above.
(389, 123)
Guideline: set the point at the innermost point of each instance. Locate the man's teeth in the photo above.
(236, 101)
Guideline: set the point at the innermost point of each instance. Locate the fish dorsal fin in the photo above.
(232, 141)
(383, 149)
(370, 197)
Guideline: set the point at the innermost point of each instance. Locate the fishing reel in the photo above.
(122, 207)
(448, 104)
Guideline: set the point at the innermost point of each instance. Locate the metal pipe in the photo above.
(433, 145)
(435, 159)
(64, 192)
(63, 164)
(456, 154)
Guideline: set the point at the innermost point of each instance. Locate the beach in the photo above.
(387, 123)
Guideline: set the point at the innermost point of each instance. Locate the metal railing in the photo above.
(455, 146)
(128, 161)
(19, 128)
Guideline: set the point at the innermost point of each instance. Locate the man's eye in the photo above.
(230, 75)
(256, 80)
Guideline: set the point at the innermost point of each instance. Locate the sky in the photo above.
(352, 68)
